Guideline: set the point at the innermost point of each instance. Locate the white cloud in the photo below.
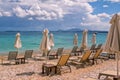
(19, 11)
(40, 9)
(96, 22)
(105, 6)
(104, 15)
(30, 18)
(0, 14)
(54, 9)
(5, 13)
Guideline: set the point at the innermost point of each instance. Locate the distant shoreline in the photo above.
(58, 31)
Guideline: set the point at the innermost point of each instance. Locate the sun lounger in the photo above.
(82, 60)
(108, 73)
(99, 46)
(27, 55)
(12, 56)
(48, 67)
(96, 56)
(55, 55)
(81, 50)
(92, 48)
(73, 52)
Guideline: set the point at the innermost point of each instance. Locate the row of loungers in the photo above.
(79, 61)
(64, 60)
(13, 57)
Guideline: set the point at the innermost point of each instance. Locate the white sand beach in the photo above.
(32, 71)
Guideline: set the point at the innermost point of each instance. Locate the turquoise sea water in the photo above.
(32, 39)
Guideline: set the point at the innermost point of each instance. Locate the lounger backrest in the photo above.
(99, 46)
(97, 53)
(63, 59)
(59, 51)
(74, 49)
(12, 55)
(48, 52)
(81, 49)
(28, 53)
(93, 47)
(85, 56)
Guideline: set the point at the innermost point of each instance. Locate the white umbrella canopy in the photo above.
(93, 39)
(51, 40)
(84, 39)
(45, 45)
(113, 38)
(18, 43)
(75, 40)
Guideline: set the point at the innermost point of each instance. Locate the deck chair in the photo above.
(28, 54)
(55, 55)
(73, 51)
(80, 51)
(82, 60)
(12, 56)
(57, 66)
(108, 73)
(98, 47)
(96, 56)
(26, 57)
(92, 48)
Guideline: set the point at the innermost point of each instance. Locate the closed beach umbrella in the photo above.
(51, 40)
(94, 38)
(17, 44)
(113, 38)
(75, 40)
(45, 45)
(84, 39)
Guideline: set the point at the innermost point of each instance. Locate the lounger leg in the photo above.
(69, 67)
(101, 60)
(99, 76)
(42, 69)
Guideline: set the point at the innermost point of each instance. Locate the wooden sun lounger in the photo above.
(55, 55)
(96, 56)
(73, 51)
(48, 67)
(108, 73)
(81, 61)
(12, 56)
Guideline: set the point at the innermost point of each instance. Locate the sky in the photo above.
(36, 15)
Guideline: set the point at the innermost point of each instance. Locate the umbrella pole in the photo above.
(117, 60)
(46, 56)
(117, 66)
(17, 50)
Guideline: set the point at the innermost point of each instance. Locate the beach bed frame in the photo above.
(73, 51)
(95, 57)
(48, 67)
(55, 55)
(12, 56)
(26, 57)
(108, 73)
(82, 60)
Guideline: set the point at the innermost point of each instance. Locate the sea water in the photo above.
(32, 39)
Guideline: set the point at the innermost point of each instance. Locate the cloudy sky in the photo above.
(35, 15)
